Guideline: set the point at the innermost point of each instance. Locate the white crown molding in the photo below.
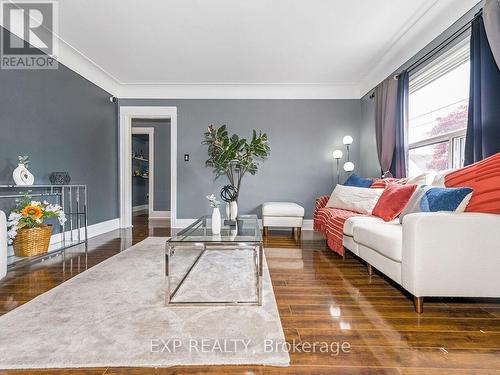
(430, 21)
(88, 69)
(423, 29)
(240, 91)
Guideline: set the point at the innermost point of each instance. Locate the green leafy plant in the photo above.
(234, 156)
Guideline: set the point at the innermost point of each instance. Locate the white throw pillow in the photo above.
(440, 178)
(422, 179)
(356, 199)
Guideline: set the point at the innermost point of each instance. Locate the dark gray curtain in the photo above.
(391, 122)
(399, 166)
(386, 96)
(483, 125)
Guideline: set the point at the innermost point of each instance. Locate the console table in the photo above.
(73, 200)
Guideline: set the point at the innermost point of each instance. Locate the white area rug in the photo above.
(114, 315)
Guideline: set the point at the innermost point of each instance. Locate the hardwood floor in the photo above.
(321, 298)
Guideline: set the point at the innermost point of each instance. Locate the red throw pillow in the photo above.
(382, 183)
(484, 178)
(393, 201)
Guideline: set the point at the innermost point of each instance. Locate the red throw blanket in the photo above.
(330, 221)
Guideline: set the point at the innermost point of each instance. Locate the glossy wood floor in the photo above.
(321, 298)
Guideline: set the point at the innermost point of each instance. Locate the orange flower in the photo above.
(33, 211)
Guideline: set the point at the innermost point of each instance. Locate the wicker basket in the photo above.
(32, 241)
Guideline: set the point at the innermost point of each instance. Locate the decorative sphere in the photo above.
(347, 140)
(337, 154)
(349, 166)
(229, 193)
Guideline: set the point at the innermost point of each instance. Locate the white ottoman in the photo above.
(282, 215)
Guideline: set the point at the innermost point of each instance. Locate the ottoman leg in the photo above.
(266, 231)
(299, 233)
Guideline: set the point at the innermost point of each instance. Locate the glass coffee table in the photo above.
(215, 270)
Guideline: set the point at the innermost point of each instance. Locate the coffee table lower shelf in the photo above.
(170, 294)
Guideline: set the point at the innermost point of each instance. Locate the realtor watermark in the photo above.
(29, 34)
(235, 345)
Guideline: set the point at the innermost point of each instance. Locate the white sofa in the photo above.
(432, 254)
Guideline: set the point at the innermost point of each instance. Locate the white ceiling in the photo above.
(247, 48)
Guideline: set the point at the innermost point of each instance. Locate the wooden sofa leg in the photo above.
(419, 304)
(370, 270)
(266, 231)
(299, 233)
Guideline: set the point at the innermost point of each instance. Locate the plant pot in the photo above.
(232, 210)
(32, 241)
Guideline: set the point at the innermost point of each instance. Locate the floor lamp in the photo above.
(337, 155)
(349, 165)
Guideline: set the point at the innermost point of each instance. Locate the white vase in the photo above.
(22, 176)
(232, 210)
(216, 221)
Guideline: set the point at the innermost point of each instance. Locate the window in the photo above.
(438, 108)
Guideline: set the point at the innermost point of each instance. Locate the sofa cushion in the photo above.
(282, 209)
(355, 199)
(355, 220)
(384, 238)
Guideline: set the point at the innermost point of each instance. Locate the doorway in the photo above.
(161, 201)
(142, 172)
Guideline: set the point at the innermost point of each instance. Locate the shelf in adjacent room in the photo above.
(140, 159)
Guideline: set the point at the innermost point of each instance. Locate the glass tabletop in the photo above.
(246, 230)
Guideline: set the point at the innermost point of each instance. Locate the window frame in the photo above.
(451, 138)
(454, 58)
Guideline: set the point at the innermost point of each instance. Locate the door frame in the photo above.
(126, 115)
(151, 165)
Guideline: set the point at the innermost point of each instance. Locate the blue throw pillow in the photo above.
(443, 199)
(355, 180)
(434, 199)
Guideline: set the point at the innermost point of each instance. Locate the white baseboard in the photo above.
(92, 230)
(183, 223)
(307, 224)
(143, 207)
(160, 214)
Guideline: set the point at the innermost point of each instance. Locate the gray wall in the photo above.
(302, 133)
(140, 186)
(162, 158)
(64, 123)
(370, 166)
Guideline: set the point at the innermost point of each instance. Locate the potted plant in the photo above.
(234, 157)
(26, 229)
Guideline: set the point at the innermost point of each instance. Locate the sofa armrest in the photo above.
(321, 202)
(450, 254)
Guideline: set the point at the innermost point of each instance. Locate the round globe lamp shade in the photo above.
(349, 166)
(347, 140)
(337, 154)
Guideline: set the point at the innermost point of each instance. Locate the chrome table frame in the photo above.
(172, 246)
